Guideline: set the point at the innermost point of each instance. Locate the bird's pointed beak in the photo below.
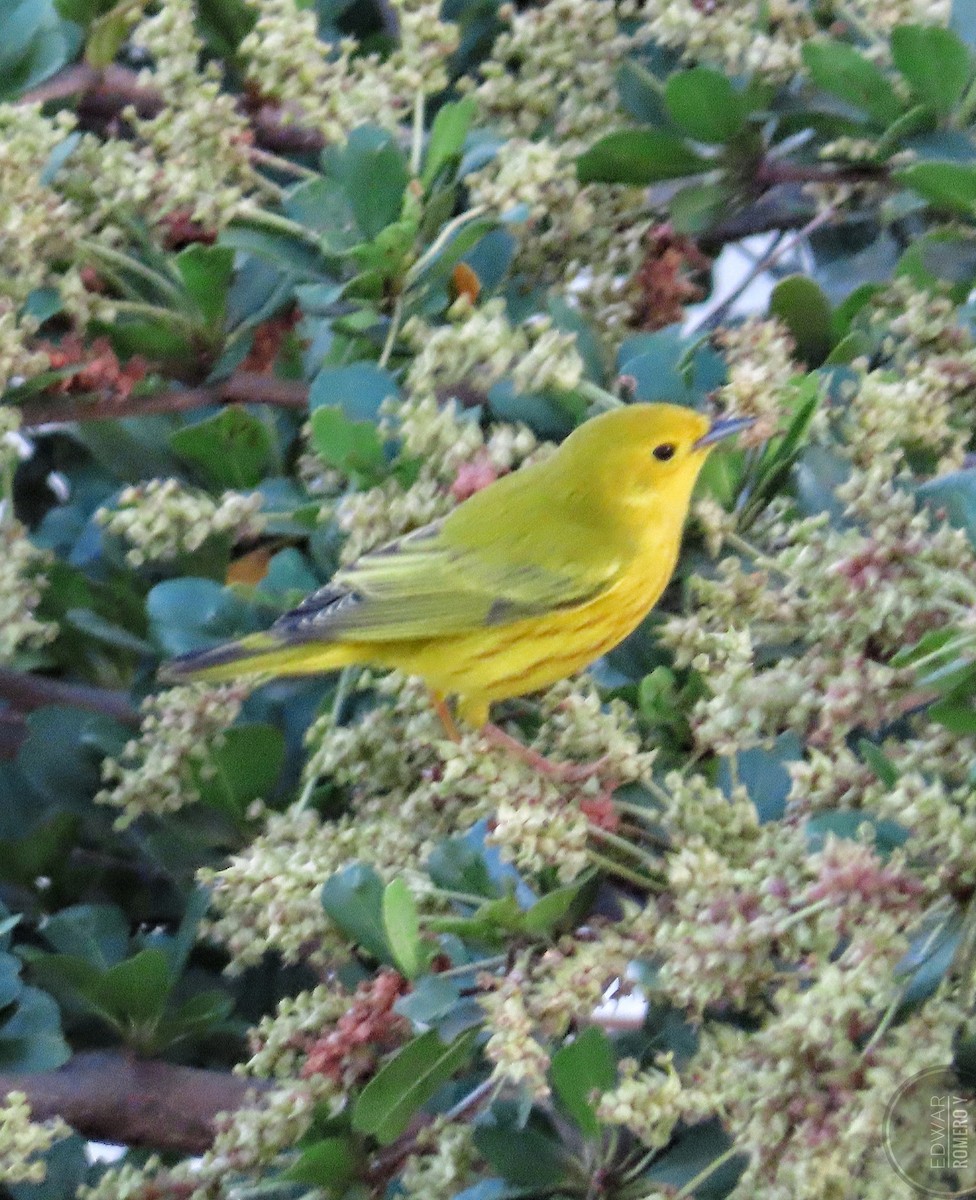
(723, 428)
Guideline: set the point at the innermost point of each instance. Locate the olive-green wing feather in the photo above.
(422, 587)
(484, 564)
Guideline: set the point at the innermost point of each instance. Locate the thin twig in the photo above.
(392, 332)
(784, 246)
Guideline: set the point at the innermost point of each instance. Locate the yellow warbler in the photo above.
(521, 585)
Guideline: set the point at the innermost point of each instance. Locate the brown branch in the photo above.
(771, 173)
(781, 206)
(750, 222)
(113, 1097)
(103, 96)
(242, 388)
(25, 692)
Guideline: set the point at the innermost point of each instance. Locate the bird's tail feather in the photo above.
(256, 654)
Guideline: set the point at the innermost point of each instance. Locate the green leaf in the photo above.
(402, 927)
(107, 36)
(639, 156)
(459, 246)
(156, 340)
(559, 906)
(322, 206)
(851, 346)
(31, 1040)
(431, 1000)
(58, 758)
(641, 93)
(283, 249)
(919, 119)
(354, 447)
(98, 933)
(580, 1068)
(73, 981)
(34, 43)
(206, 272)
(938, 257)
(243, 767)
(706, 105)
(406, 1083)
(135, 991)
(107, 633)
(225, 24)
(189, 614)
(447, 136)
(949, 186)
(330, 1164)
(374, 173)
(353, 898)
(527, 1153)
(840, 70)
(11, 984)
(358, 389)
(958, 716)
(490, 922)
(851, 305)
(953, 495)
(781, 455)
(83, 12)
(933, 645)
(879, 762)
(231, 449)
(131, 450)
(196, 1016)
(458, 866)
(696, 208)
(934, 61)
(847, 823)
(802, 306)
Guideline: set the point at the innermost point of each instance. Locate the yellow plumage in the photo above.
(521, 585)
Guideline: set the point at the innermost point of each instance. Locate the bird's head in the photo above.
(648, 454)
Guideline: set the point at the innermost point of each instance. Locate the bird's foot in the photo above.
(446, 717)
(600, 811)
(560, 772)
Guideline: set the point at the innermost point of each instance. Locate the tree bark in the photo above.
(113, 1097)
(244, 387)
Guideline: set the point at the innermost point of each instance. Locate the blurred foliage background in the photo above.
(280, 280)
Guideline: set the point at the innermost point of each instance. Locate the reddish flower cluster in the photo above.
(268, 337)
(180, 230)
(873, 562)
(851, 874)
(97, 368)
(473, 476)
(366, 1031)
(661, 279)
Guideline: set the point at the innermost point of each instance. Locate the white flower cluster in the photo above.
(162, 519)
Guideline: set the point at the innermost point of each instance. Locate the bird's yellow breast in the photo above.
(498, 662)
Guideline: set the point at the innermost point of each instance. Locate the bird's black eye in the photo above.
(663, 452)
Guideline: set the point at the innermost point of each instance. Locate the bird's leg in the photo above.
(447, 720)
(561, 772)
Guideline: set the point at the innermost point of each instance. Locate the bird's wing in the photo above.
(430, 583)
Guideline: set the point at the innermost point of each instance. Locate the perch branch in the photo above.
(245, 387)
(110, 1096)
(24, 692)
(104, 95)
